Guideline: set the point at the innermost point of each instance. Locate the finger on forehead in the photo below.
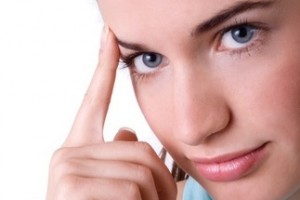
(89, 122)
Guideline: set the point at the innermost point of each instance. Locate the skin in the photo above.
(208, 98)
(86, 167)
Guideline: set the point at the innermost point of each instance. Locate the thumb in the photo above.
(126, 134)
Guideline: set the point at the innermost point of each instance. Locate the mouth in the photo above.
(231, 167)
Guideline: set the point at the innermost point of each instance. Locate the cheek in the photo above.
(275, 106)
(282, 89)
(155, 98)
(277, 114)
(156, 102)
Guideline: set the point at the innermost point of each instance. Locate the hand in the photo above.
(86, 167)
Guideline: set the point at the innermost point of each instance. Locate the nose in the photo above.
(200, 109)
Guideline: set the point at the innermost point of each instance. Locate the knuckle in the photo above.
(144, 173)
(70, 183)
(70, 186)
(144, 147)
(66, 167)
(58, 156)
(88, 99)
(62, 164)
(94, 100)
(132, 191)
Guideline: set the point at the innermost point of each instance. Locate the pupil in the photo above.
(152, 59)
(242, 34)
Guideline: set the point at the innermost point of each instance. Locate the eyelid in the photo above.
(255, 25)
(259, 26)
(128, 59)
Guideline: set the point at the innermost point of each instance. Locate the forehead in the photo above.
(138, 19)
(141, 16)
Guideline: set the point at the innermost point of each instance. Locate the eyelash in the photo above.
(128, 60)
(258, 26)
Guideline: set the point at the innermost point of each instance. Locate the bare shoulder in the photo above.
(180, 186)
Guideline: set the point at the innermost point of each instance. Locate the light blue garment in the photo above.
(194, 191)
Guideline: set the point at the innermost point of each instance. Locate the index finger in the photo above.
(88, 125)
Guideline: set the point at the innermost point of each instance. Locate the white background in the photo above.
(48, 52)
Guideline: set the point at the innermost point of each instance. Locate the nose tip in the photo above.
(197, 127)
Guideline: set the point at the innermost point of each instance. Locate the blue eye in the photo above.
(242, 34)
(152, 60)
(147, 62)
(238, 37)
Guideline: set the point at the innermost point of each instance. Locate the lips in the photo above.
(230, 167)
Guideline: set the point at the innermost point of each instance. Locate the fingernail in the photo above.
(127, 129)
(126, 134)
(104, 36)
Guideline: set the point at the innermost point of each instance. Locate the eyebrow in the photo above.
(132, 46)
(211, 23)
(229, 13)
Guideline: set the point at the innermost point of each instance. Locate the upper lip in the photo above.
(226, 157)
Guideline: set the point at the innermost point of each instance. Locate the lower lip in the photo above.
(232, 169)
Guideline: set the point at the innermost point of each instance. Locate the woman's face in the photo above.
(219, 83)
